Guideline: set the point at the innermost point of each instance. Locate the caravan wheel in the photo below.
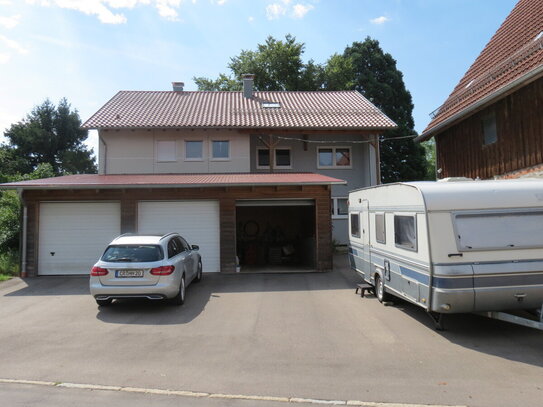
(380, 289)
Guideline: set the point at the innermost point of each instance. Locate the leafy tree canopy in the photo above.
(276, 64)
(379, 80)
(49, 134)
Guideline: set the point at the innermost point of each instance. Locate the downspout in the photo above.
(22, 245)
(105, 154)
(377, 160)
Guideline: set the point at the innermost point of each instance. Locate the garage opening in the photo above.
(276, 235)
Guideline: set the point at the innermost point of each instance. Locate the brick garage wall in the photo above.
(226, 196)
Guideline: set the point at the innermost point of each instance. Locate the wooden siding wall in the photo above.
(227, 207)
(519, 120)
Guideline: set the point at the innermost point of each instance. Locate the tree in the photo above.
(10, 207)
(379, 80)
(49, 134)
(276, 64)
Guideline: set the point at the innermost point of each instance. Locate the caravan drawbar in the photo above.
(451, 247)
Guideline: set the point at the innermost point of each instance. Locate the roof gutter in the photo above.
(529, 77)
(155, 186)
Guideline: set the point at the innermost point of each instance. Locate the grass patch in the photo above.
(9, 265)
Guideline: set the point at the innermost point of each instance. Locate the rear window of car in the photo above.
(133, 253)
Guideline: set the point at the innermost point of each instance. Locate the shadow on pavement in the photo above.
(489, 336)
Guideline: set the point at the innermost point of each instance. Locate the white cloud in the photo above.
(251, 19)
(379, 20)
(275, 10)
(300, 10)
(103, 9)
(5, 2)
(12, 44)
(4, 58)
(10, 22)
(284, 7)
(220, 2)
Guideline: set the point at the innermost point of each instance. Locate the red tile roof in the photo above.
(93, 181)
(513, 53)
(307, 110)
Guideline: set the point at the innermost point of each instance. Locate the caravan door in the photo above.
(365, 235)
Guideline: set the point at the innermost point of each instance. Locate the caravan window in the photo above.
(405, 232)
(501, 230)
(355, 225)
(380, 232)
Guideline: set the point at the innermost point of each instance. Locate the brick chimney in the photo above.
(178, 86)
(248, 81)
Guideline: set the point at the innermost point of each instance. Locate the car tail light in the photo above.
(98, 271)
(162, 270)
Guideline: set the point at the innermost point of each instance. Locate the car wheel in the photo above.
(103, 303)
(179, 299)
(380, 293)
(199, 273)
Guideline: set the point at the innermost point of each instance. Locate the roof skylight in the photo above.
(538, 36)
(271, 105)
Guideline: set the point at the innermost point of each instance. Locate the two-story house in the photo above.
(256, 179)
(491, 125)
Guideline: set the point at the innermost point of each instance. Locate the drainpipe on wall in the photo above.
(105, 155)
(22, 245)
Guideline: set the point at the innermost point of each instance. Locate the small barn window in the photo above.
(355, 225)
(405, 232)
(380, 232)
(490, 131)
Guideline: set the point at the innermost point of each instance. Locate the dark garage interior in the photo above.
(275, 236)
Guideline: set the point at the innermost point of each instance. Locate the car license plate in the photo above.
(129, 273)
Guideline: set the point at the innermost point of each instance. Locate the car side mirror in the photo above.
(195, 247)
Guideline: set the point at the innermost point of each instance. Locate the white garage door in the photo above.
(196, 221)
(73, 235)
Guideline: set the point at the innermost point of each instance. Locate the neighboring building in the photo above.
(258, 175)
(491, 126)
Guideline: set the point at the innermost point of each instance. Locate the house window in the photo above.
(490, 131)
(220, 149)
(380, 232)
(282, 158)
(165, 151)
(355, 225)
(405, 232)
(194, 150)
(340, 210)
(334, 157)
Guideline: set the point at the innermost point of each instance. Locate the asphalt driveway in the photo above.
(296, 335)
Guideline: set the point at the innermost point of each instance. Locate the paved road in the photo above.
(298, 335)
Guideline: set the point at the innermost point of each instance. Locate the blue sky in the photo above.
(87, 50)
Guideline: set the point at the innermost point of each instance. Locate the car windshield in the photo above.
(133, 253)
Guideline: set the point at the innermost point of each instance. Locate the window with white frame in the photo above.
(282, 158)
(339, 207)
(220, 150)
(166, 151)
(194, 150)
(334, 157)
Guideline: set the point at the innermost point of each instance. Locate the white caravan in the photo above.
(451, 247)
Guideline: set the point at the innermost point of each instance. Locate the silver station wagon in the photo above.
(146, 266)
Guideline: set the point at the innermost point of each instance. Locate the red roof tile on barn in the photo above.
(308, 110)
(512, 54)
(93, 181)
